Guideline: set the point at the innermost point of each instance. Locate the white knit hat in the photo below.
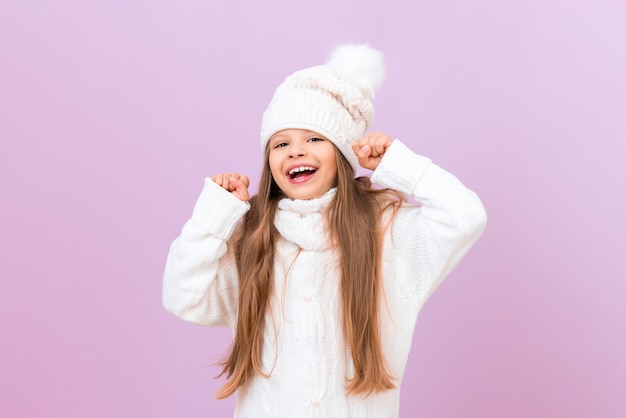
(334, 100)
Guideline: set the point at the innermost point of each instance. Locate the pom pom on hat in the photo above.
(359, 64)
(333, 100)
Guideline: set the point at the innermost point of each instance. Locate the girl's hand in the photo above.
(234, 183)
(370, 149)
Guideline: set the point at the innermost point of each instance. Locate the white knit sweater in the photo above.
(304, 349)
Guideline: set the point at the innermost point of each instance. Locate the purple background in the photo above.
(112, 113)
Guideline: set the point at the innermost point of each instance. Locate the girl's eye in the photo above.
(280, 145)
(316, 139)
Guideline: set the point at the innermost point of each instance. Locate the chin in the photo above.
(304, 195)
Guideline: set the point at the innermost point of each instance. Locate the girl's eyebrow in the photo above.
(313, 134)
(278, 138)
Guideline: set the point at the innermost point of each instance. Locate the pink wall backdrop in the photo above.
(112, 113)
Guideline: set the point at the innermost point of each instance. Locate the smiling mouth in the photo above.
(301, 172)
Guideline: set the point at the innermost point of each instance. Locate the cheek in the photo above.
(331, 162)
(334, 176)
(275, 167)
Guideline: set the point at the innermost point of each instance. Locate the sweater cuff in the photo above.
(400, 168)
(217, 210)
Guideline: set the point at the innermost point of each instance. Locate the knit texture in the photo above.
(304, 348)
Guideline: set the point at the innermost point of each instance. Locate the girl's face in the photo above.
(302, 163)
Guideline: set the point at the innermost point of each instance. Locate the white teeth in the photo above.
(300, 169)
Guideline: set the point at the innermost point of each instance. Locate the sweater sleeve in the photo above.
(431, 239)
(200, 280)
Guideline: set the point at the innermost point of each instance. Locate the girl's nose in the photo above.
(297, 151)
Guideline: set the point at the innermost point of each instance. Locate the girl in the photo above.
(321, 276)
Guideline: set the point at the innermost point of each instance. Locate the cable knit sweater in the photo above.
(304, 348)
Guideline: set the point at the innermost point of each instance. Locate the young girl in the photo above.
(321, 276)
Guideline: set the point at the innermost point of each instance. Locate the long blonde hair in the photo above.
(354, 221)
